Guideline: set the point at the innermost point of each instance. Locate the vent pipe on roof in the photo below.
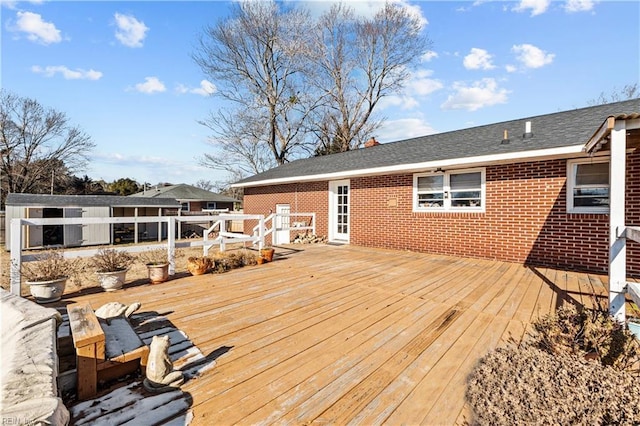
(505, 138)
(527, 131)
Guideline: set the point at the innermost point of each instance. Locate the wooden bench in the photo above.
(105, 349)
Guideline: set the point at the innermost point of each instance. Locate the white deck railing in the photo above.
(272, 219)
(20, 225)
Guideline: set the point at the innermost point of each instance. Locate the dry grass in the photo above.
(86, 277)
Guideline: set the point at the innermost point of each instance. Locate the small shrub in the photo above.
(111, 260)
(199, 264)
(529, 386)
(154, 257)
(591, 333)
(580, 367)
(49, 265)
(248, 258)
(226, 261)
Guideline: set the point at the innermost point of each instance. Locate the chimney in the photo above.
(527, 131)
(505, 138)
(371, 142)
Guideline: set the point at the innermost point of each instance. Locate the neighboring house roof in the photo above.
(552, 135)
(183, 192)
(45, 200)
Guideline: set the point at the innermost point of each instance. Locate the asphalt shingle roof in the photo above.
(46, 200)
(561, 129)
(184, 192)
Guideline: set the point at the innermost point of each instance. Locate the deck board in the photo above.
(348, 335)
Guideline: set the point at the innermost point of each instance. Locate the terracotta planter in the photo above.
(260, 260)
(112, 281)
(47, 291)
(158, 273)
(199, 265)
(267, 254)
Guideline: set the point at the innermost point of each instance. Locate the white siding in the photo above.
(96, 234)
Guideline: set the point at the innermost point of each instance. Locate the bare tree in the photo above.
(239, 139)
(357, 62)
(207, 185)
(629, 91)
(38, 145)
(254, 58)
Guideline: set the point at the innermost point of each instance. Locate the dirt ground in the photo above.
(87, 278)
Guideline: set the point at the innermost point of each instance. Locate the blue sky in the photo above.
(122, 71)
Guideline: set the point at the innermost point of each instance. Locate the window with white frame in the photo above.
(449, 191)
(211, 205)
(184, 207)
(588, 186)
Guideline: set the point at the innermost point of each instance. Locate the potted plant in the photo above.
(111, 267)
(157, 262)
(47, 276)
(198, 265)
(267, 253)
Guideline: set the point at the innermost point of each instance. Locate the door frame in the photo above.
(283, 236)
(334, 236)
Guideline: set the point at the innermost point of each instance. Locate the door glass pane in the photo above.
(342, 203)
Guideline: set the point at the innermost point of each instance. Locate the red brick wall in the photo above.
(525, 219)
(302, 197)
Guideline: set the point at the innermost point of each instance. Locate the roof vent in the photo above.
(505, 138)
(371, 142)
(527, 131)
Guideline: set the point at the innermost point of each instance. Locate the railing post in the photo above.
(171, 244)
(205, 241)
(313, 221)
(261, 233)
(16, 256)
(617, 245)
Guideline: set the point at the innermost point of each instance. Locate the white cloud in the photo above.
(537, 7)
(151, 85)
(404, 102)
(478, 95)
(206, 88)
(130, 31)
(427, 57)
(36, 29)
(68, 74)
(579, 5)
(531, 56)
(404, 128)
(421, 84)
(478, 59)
(511, 68)
(413, 10)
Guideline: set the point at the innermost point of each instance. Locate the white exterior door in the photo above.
(339, 211)
(282, 236)
(34, 232)
(72, 233)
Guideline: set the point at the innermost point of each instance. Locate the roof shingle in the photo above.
(561, 129)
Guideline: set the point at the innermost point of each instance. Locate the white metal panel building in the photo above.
(59, 206)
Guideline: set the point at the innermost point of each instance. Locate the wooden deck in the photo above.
(342, 334)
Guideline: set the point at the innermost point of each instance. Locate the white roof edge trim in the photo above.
(417, 167)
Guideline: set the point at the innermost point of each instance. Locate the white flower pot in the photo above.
(47, 291)
(112, 281)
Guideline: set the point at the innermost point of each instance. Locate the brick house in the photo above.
(192, 199)
(533, 190)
